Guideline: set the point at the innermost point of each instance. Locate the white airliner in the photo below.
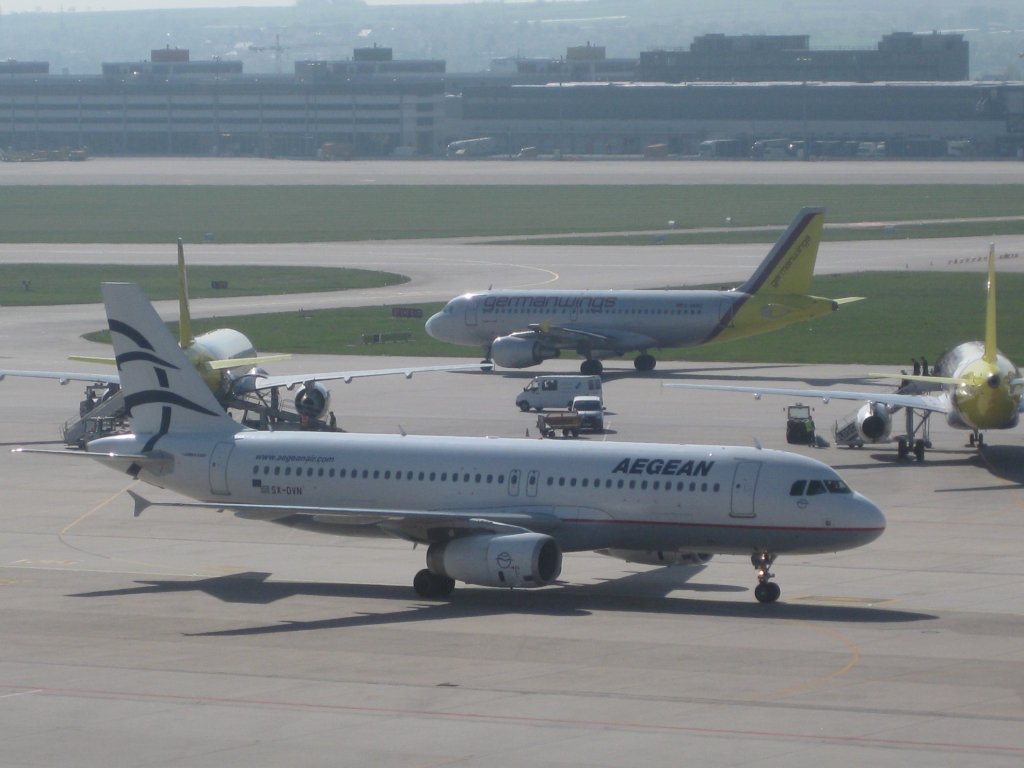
(519, 329)
(976, 388)
(493, 512)
(227, 361)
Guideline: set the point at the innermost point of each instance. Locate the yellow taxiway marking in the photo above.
(96, 508)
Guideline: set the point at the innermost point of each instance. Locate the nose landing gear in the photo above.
(766, 591)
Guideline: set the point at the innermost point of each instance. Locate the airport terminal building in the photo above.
(728, 96)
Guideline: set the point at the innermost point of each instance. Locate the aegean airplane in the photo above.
(974, 385)
(519, 329)
(492, 512)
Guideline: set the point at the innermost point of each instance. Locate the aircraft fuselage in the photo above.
(620, 495)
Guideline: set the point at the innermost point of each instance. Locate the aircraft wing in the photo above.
(414, 525)
(292, 380)
(64, 376)
(938, 403)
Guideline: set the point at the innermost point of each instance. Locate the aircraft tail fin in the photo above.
(789, 265)
(184, 313)
(163, 391)
(990, 309)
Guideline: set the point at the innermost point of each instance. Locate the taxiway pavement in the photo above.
(191, 638)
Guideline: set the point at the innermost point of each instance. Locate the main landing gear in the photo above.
(766, 591)
(903, 448)
(977, 440)
(594, 367)
(429, 584)
(645, 362)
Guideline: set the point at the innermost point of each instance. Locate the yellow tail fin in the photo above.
(990, 308)
(184, 315)
(789, 265)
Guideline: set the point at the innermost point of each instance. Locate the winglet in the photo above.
(184, 314)
(990, 308)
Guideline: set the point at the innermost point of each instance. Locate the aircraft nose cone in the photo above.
(870, 519)
(433, 326)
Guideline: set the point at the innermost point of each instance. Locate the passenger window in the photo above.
(815, 487)
(798, 488)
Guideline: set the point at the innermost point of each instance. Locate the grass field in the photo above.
(51, 284)
(122, 214)
(906, 314)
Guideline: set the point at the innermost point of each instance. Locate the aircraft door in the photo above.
(471, 316)
(532, 478)
(219, 468)
(513, 482)
(744, 483)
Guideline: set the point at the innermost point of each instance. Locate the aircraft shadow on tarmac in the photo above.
(1005, 462)
(644, 592)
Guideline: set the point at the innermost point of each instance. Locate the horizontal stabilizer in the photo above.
(151, 461)
(91, 359)
(237, 362)
(848, 300)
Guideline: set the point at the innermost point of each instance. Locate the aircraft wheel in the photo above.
(423, 583)
(645, 362)
(445, 585)
(902, 449)
(919, 450)
(591, 367)
(429, 584)
(767, 592)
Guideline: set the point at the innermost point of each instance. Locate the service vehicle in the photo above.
(586, 414)
(556, 391)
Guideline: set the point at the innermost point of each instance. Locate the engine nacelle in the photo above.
(521, 351)
(658, 557)
(874, 422)
(506, 560)
(313, 400)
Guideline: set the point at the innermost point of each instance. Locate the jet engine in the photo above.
(521, 351)
(313, 400)
(874, 422)
(658, 557)
(505, 560)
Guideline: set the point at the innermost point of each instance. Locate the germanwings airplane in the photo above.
(492, 512)
(519, 329)
(974, 385)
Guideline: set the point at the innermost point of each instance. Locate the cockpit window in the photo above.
(837, 486)
(815, 487)
(798, 488)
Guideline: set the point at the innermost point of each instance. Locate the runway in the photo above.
(190, 638)
(271, 171)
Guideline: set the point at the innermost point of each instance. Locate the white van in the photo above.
(556, 391)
